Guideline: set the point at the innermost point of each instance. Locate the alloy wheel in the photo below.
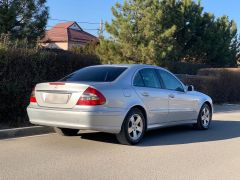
(135, 126)
(205, 116)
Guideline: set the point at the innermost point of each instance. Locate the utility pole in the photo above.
(101, 27)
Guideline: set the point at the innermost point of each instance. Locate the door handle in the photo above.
(171, 96)
(145, 94)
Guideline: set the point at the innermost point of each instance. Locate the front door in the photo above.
(181, 104)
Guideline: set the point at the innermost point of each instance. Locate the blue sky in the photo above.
(93, 10)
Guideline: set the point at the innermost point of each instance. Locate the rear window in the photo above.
(95, 74)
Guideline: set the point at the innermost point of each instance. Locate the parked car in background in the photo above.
(126, 100)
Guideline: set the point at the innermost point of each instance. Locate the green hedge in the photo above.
(222, 84)
(21, 69)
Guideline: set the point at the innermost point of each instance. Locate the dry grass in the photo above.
(222, 84)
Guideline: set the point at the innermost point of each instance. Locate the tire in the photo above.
(133, 128)
(204, 117)
(66, 131)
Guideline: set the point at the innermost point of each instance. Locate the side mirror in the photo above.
(190, 88)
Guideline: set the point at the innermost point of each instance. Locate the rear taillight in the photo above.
(33, 97)
(91, 97)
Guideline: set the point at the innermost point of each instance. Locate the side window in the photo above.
(170, 81)
(147, 78)
(138, 81)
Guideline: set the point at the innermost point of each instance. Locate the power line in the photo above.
(80, 22)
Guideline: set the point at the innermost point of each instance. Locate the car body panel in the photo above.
(99, 120)
(156, 102)
(183, 106)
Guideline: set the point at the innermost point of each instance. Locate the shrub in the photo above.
(88, 49)
(217, 71)
(184, 68)
(21, 69)
(222, 84)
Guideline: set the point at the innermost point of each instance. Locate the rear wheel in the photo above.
(66, 131)
(204, 117)
(133, 128)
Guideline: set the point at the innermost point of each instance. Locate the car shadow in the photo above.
(219, 130)
(99, 136)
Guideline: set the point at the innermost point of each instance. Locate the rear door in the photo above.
(148, 88)
(181, 104)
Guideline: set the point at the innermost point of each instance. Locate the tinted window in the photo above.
(138, 81)
(95, 74)
(170, 81)
(147, 78)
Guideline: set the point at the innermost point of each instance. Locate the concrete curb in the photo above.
(26, 131)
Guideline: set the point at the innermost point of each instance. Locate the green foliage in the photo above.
(7, 42)
(23, 19)
(22, 68)
(88, 49)
(161, 31)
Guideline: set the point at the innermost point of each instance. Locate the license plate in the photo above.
(56, 98)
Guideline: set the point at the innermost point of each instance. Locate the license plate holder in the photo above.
(53, 98)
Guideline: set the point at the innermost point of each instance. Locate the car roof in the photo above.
(130, 65)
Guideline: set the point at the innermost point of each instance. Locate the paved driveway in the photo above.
(172, 153)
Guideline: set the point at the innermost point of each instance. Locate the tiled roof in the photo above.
(62, 33)
(64, 25)
(75, 35)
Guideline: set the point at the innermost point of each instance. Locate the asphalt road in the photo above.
(172, 153)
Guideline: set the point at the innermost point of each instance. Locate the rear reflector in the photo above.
(56, 83)
(91, 97)
(33, 98)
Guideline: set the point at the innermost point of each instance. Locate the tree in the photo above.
(23, 18)
(88, 49)
(137, 34)
(163, 31)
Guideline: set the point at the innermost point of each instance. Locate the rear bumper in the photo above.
(105, 121)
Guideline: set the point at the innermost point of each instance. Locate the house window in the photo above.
(75, 27)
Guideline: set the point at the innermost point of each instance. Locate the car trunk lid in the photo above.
(59, 94)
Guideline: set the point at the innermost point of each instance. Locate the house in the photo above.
(66, 36)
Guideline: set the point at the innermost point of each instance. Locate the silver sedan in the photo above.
(126, 100)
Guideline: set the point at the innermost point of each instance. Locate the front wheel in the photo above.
(66, 131)
(133, 128)
(204, 117)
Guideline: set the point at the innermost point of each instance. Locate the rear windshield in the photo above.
(95, 74)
